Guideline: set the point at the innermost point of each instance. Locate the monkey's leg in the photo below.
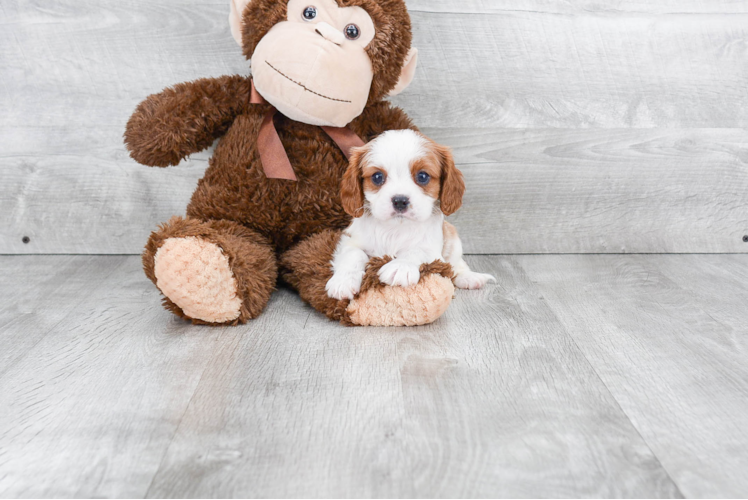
(307, 267)
(212, 272)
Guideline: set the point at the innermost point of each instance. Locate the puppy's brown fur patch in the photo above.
(450, 237)
(351, 186)
(452, 182)
(432, 166)
(366, 172)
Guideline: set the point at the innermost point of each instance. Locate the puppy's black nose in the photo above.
(400, 203)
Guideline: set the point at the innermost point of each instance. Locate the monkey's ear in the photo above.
(235, 18)
(407, 73)
(352, 185)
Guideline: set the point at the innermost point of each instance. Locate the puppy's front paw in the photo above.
(397, 273)
(344, 285)
(472, 281)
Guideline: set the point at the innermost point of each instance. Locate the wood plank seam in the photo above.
(181, 418)
(613, 396)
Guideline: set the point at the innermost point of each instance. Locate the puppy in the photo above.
(398, 188)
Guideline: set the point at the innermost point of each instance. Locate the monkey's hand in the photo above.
(185, 119)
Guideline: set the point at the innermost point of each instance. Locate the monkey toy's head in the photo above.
(322, 61)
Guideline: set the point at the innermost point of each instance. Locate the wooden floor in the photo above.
(595, 375)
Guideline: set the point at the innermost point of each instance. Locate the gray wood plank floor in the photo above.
(597, 375)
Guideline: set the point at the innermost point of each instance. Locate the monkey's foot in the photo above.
(379, 304)
(307, 268)
(195, 275)
(212, 272)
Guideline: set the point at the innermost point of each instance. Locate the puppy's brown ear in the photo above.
(352, 186)
(453, 185)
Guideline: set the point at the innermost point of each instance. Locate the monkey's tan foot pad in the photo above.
(195, 275)
(383, 305)
(308, 269)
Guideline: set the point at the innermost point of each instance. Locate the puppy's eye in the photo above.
(352, 32)
(377, 178)
(422, 178)
(309, 13)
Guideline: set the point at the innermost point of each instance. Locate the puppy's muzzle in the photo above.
(400, 203)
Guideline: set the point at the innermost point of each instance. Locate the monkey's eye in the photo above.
(377, 178)
(309, 13)
(352, 32)
(422, 178)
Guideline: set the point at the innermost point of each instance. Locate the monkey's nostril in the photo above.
(329, 33)
(400, 203)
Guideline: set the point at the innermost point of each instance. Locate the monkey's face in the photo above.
(313, 66)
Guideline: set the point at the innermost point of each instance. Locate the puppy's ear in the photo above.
(453, 185)
(352, 186)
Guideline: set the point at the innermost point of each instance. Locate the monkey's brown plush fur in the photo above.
(264, 225)
(250, 255)
(310, 261)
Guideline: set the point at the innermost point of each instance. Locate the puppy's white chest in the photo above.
(393, 237)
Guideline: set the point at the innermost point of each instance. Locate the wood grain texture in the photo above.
(667, 336)
(609, 7)
(573, 376)
(90, 408)
(36, 293)
(492, 400)
(493, 66)
(538, 191)
(71, 73)
(724, 296)
(602, 191)
(578, 67)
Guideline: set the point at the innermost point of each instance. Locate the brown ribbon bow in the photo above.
(274, 159)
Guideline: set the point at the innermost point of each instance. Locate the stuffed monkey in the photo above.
(269, 204)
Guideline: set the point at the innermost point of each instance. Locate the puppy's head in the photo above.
(402, 174)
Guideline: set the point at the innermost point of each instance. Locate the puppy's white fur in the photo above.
(412, 237)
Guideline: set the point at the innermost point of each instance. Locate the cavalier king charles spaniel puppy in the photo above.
(398, 188)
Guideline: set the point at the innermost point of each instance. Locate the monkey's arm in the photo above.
(185, 119)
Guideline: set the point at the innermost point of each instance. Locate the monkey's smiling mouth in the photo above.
(304, 86)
